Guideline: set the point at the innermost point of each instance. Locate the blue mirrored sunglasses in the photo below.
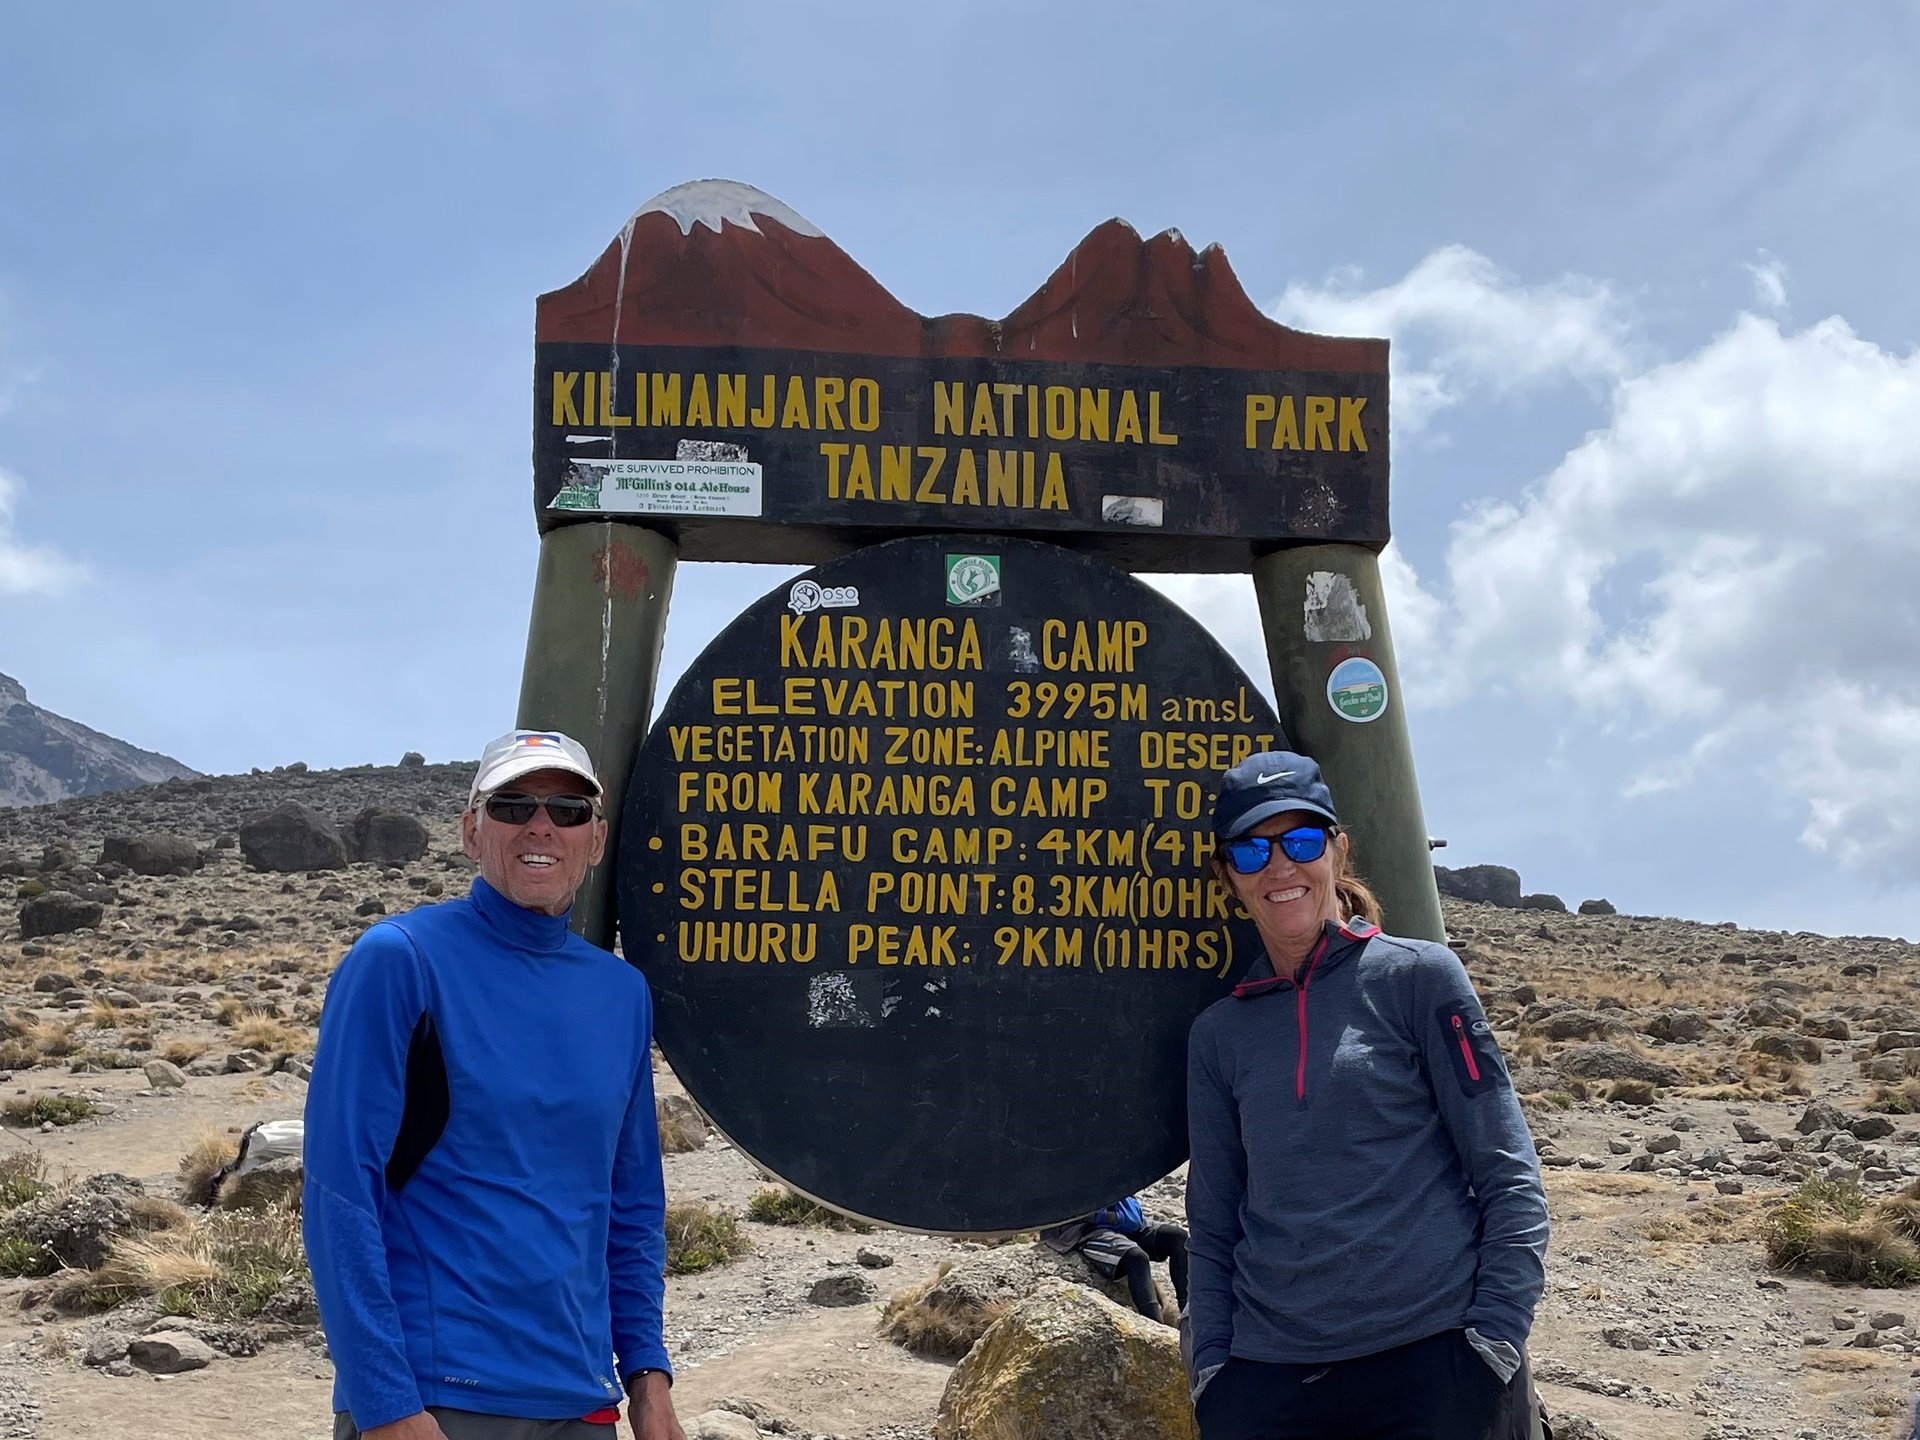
(1250, 854)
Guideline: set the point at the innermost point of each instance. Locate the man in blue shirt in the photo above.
(484, 1210)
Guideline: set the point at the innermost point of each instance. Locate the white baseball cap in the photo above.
(523, 752)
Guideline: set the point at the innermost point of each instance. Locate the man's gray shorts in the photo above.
(469, 1425)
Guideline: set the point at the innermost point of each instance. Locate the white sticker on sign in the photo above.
(661, 487)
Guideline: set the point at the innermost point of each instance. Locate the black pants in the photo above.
(1434, 1389)
(1129, 1256)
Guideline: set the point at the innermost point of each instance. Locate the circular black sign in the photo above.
(914, 861)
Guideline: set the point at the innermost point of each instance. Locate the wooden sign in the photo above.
(915, 863)
(725, 373)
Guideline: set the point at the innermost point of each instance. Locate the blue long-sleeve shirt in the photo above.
(1362, 1176)
(521, 1270)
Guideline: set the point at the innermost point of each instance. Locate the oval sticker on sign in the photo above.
(1357, 690)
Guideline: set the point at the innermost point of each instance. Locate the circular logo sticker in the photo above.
(1357, 690)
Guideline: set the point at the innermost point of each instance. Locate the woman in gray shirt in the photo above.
(1368, 1225)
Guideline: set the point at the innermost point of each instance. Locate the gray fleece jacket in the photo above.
(1362, 1176)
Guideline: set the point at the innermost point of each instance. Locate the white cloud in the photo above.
(1729, 565)
(1769, 282)
(26, 569)
(1461, 326)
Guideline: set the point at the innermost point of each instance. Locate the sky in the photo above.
(266, 302)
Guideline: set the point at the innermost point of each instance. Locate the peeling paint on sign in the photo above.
(1334, 614)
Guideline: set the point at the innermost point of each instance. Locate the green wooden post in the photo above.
(1321, 605)
(593, 656)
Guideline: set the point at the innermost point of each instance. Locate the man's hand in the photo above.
(415, 1427)
(651, 1413)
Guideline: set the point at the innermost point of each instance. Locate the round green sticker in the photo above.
(1357, 690)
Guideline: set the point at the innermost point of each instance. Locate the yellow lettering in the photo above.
(564, 410)
(1352, 437)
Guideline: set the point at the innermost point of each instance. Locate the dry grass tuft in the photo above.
(225, 1267)
(184, 1052)
(1828, 1228)
(700, 1237)
(777, 1205)
(38, 1110)
(23, 1175)
(211, 1151)
(1901, 1099)
(1714, 1222)
(916, 1320)
(262, 1033)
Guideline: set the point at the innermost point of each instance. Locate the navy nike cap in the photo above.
(1268, 784)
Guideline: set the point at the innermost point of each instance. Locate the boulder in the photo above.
(386, 837)
(843, 1287)
(1676, 1026)
(1597, 907)
(1827, 1026)
(291, 837)
(1770, 1012)
(1579, 1025)
(277, 1182)
(1785, 1045)
(75, 1227)
(170, 1352)
(412, 760)
(1486, 884)
(1543, 901)
(1820, 1115)
(58, 913)
(151, 854)
(1602, 1061)
(164, 1075)
(946, 1316)
(721, 1425)
(1069, 1365)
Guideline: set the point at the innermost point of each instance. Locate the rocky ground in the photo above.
(1684, 1082)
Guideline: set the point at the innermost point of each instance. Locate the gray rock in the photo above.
(1785, 1045)
(1597, 907)
(1730, 1186)
(170, 1352)
(244, 1062)
(412, 760)
(1871, 1127)
(1821, 1116)
(843, 1287)
(290, 837)
(1543, 901)
(58, 913)
(151, 854)
(721, 1425)
(1602, 1061)
(105, 1348)
(1770, 1011)
(873, 1259)
(1580, 1025)
(1662, 1144)
(1887, 1320)
(164, 1075)
(1827, 1027)
(386, 837)
(52, 983)
(1486, 884)
(77, 1227)
(1750, 1133)
(1627, 1337)
(1678, 1026)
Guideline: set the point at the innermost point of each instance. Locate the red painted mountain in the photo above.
(715, 262)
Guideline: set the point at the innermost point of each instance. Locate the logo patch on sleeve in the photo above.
(1469, 1043)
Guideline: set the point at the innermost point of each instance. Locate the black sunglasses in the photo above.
(509, 807)
(1251, 854)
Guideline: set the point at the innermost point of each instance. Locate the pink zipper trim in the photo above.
(1466, 1050)
(1300, 1069)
